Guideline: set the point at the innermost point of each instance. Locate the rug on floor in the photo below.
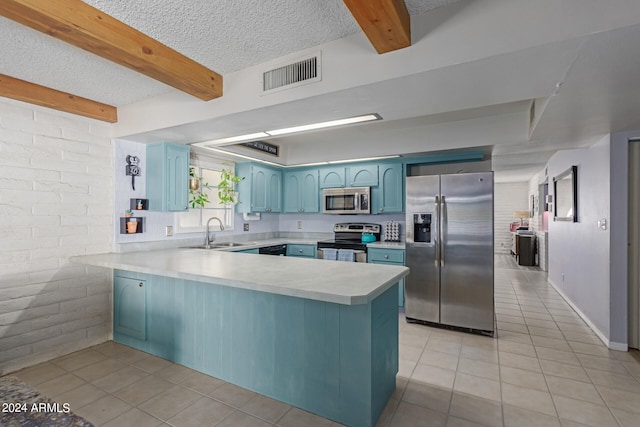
(20, 405)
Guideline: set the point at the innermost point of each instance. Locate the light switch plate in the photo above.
(168, 231)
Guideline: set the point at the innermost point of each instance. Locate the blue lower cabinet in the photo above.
(391, 257)
(129, 306)
(337, 361)
(304, 251)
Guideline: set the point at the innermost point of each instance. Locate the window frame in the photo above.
(225, 214)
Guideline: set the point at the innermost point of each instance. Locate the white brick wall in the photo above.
(56, 201)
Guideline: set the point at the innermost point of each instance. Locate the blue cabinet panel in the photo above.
(335, 360)
(129, 307)
(261, 191)
(362, 175)
(332, 177)
(391, 257)
(305, 251)
(167, 177)
(388, 196)
(301, 191)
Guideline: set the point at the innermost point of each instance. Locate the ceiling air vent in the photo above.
(292, 75)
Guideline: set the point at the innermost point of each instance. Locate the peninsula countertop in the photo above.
(330, 281)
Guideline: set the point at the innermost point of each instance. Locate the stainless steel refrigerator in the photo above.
(449, 240)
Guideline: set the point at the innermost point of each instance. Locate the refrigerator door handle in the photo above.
(436, 237)
(441, 232)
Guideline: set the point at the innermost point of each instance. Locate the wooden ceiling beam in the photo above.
(88, 28)
(385, 22)
(32, 93)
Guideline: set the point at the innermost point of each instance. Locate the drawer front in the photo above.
(386, 255)
(301, 250)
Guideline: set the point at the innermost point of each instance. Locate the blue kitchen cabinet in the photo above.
(338, 361)
(167, 177)
(389, 257)
(388, 196)
(356, 175)
(332, 177)
(261, 191)
(129, 306)
(301, 191)
(303, 251)
(362, 175)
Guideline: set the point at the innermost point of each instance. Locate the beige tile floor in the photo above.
(545, 368)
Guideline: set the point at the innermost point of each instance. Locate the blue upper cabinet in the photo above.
(388, 196)
(301, 191)
(332, 177)
(167, 177)
(357, 175)
(261, 191)
(362, 175)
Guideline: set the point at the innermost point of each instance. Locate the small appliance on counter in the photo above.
(349, 237)
(391, 231)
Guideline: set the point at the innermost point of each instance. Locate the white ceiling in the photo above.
(466, 82)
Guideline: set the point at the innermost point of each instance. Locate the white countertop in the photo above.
(329, 281)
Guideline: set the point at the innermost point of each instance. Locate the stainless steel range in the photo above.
(348, 236)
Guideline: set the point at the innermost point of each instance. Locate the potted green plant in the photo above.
(196, 195)
(127, 213)
(226, 187)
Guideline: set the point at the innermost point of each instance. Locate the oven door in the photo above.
(360, 256)
(354, 200)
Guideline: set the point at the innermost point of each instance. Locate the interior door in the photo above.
(466, 275)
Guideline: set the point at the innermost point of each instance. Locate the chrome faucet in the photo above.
(207, 237)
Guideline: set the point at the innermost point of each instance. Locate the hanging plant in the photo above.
(196, 187)
(226, 188)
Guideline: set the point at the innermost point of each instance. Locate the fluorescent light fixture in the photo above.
(284, 131)
(364, 159)
(239, 138)
(322, 125)
(242, 156)
(332, 162)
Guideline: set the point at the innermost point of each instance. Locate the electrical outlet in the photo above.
(299, 225)
(246, 226)
(168, 231)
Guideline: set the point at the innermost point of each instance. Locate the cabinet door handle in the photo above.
(300, 250)
(386, 256)
(140, 284)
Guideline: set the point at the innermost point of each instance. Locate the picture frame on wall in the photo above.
(534, 205)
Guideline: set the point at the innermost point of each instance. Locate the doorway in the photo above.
(634, 244)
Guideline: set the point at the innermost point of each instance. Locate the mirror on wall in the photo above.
(565, 190)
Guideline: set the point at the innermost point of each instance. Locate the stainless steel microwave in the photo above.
(351, 200)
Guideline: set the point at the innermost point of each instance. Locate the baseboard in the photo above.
(610, 344)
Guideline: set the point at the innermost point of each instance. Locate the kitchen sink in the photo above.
(226, 244)
(218, 245)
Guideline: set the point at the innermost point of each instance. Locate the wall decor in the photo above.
(133, 169)
(565, 191)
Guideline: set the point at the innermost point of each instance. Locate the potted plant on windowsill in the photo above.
(226, 187)
(196, 195)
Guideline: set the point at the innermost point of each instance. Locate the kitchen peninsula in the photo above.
(319, 335)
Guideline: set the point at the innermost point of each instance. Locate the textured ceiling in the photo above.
(223, 35)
